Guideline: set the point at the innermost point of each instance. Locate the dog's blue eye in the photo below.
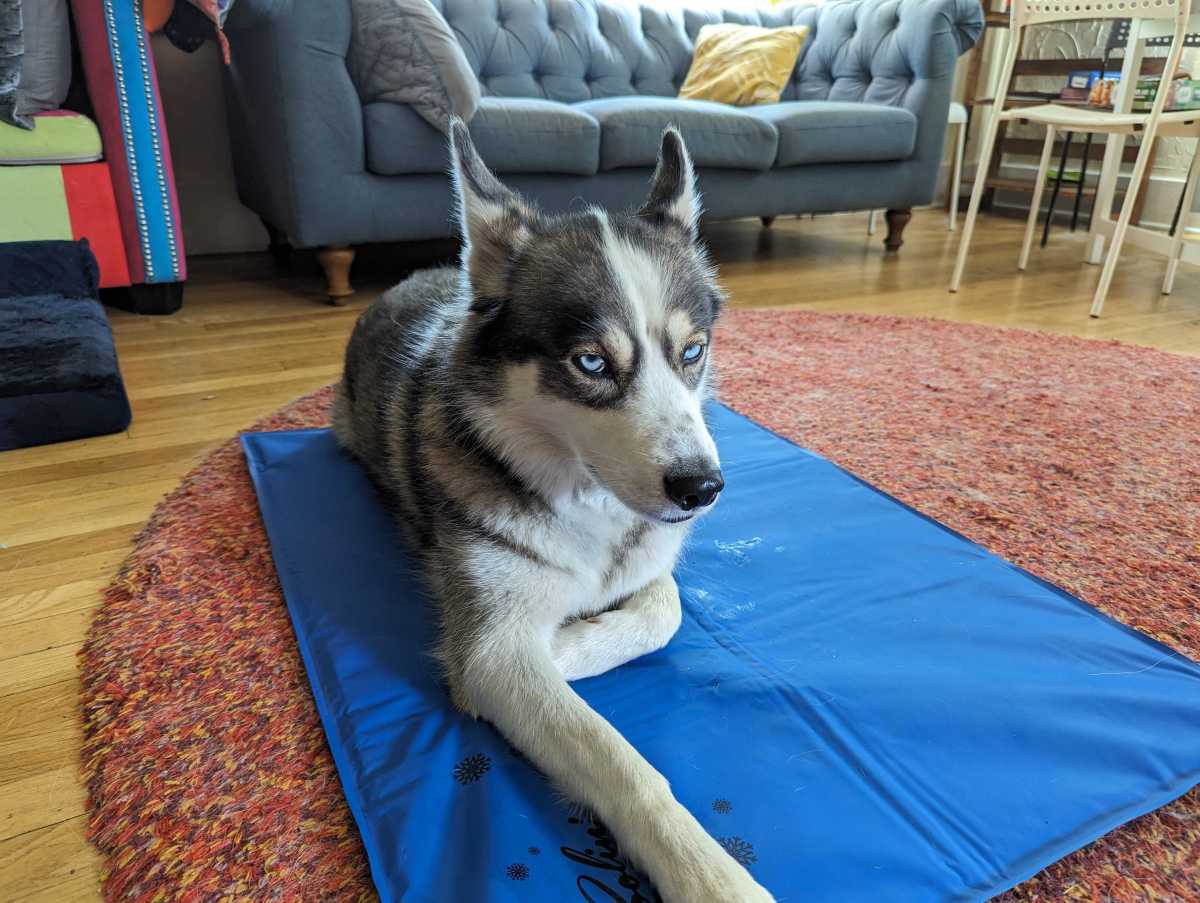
(591, 364)
(692, 353)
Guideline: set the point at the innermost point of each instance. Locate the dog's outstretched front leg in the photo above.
(641, 624)
(513, 683)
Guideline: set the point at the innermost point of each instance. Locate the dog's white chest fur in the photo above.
(618, 554)
(594, 553)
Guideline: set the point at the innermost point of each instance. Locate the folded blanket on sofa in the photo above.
(405, 52)
(12, 49)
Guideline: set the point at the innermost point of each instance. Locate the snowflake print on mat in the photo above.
(518, 871)
(472, 768)
(741, 850)
(722, 806)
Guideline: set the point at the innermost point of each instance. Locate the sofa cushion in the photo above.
(826, 131)
(59, 137)
(717, 136)
(512, 134)
(525, 134)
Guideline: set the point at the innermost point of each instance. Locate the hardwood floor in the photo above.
(248, 340)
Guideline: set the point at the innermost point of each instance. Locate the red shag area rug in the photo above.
(207, 768)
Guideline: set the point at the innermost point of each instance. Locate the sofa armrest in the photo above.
(124, 98)
(252, 13)
(295, 119)
(931, 35)
(926, 39)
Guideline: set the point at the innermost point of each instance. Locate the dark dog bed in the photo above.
(59, 377)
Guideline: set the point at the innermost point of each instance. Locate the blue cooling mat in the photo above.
(860, 703)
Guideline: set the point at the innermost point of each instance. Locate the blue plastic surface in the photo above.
(863, 704)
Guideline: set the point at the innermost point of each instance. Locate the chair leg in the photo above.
(960, 145)
(1036, 203)
(1118, 236)
(964, 244)
(336, 261)
(1185, 206)
(871, 222)
(1083, 168)
(1182, 198)
(1058, 180)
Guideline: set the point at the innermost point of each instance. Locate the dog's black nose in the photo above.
(694, 490)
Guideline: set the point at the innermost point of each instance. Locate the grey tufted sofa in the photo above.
(576, 93)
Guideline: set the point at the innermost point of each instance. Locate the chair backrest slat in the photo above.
(1035, 12)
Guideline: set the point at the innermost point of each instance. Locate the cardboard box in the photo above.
(1182, 94)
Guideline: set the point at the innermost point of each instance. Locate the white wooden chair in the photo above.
(1057, 117)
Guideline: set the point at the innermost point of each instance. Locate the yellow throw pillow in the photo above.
(742, 65)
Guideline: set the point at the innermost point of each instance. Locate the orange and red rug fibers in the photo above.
(208, 772)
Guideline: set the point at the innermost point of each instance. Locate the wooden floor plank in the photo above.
(314, 375)
(100, 509)
(54, 864)
(81, 886)
(37, 669)
(32, 713)
(51, 600)
(248, 339)
(39, 730)
(43, 799)
(90, 468)
(86, 565)
(42, 634)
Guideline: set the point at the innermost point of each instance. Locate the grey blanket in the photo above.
(12, 48)
(404, 51)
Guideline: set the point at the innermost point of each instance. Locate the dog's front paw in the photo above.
(569, 649)
(591, 646)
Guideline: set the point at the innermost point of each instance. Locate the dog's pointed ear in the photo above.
(673, 193)
(493, 220)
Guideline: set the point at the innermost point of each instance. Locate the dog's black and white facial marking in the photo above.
(593, 331)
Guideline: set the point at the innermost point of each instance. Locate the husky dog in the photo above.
(535, 417)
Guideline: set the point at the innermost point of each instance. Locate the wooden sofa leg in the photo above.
(896, 221)
(335, 261)
(766, 221)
